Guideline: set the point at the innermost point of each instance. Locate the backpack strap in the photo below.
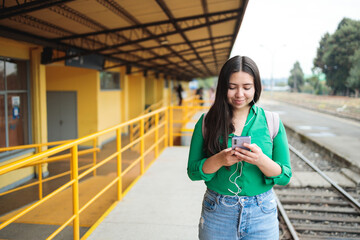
(273, 122)
(203, 125)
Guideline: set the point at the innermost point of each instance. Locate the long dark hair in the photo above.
(218, 121)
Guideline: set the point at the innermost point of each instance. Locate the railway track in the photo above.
(318, 213)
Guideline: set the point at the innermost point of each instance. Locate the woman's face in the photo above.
(241, 90)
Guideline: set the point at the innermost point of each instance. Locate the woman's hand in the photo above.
(229, 157)
(255, 156)
(226, 157)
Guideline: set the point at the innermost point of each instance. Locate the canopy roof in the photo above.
(183, 39)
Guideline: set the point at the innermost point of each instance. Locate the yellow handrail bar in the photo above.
(35, 145)
(17, 164)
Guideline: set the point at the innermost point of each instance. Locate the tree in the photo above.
(353, 81)
(296, 79)
(334, 52)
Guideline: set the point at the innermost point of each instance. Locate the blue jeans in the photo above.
(233, 217)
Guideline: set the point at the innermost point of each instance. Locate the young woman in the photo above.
(239, 202)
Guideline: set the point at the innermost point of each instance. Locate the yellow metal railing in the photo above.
(160, 133)
(40, 147)
(179, 116)
(135, 128)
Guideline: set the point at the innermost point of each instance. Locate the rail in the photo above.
(135, 128)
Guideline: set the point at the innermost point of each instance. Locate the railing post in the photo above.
(142, 147)
(75, 191)
(156, 135)
(184, 114)
(171, 118)
(118, 150)
(39, 168)
(131, 132)
(166, 127)
(94, 156)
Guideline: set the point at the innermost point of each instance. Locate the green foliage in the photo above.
(334, 54)
(314, 85)
(207, 83)
(353, 81)
(296, 79)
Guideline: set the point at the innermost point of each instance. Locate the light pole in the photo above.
(272, 52)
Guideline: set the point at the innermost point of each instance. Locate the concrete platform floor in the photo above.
(164, 204)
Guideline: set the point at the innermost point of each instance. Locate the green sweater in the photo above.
(252, 180)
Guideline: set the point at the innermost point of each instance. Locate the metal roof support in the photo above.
(117, 9)
(146, 39)
(206, 11)
(167, 11)
(27, 7)
(226, 15)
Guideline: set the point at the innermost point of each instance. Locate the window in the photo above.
(14, 116)
(109, 81)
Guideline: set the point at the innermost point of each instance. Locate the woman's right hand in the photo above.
(226, 157)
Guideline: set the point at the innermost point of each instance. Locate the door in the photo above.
(61, 115)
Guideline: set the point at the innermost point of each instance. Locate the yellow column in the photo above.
(119, 163)
(125, 101)
(38, 92)
(75, 191)
(125, 98)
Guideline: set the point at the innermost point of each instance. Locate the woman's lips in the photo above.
(238, 102)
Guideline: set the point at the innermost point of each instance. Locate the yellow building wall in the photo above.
(19, 50)
(136, 95)
(86, 83)
(150, 90)
(16, 175)
(159, 86)
(109, 106)
(14, 49)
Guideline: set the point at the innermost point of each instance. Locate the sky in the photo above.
(288, 31)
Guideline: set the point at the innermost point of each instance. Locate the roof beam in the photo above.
(116, 8)
(183, 53)
(238, 22)
(206, 11)
(84, 20)
(28, 7)
(219, 39)
(232, 17)
(232, 14)
(168, 13)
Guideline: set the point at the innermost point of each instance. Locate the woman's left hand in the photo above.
(255, 156)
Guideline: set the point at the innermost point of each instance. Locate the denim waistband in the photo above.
(249, 199)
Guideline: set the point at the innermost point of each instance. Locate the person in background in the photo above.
(179, 91)
(239, 202)
(200, 92)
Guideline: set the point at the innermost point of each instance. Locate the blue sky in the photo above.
(289, 31)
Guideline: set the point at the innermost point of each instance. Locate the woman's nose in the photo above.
(239, 92)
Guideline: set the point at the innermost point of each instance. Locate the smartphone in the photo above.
(239, 141)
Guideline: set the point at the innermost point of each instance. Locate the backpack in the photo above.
(272, 120)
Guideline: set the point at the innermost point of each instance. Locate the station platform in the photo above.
(164, 203)
(339, 135)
